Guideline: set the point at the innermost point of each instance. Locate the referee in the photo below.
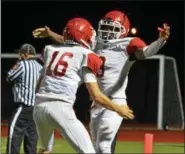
(24, 75)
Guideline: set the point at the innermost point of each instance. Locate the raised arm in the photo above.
(139, 50)
(46, 32)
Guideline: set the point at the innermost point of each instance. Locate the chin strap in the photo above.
(85, 43)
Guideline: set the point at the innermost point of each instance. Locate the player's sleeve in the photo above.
(135, 47)
(138, 50)
(88, 76)
(153, 48)
(93, 62)
(15, 72)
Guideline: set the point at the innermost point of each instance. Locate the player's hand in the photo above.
(164, 32)
(125, 112)
(41, 32)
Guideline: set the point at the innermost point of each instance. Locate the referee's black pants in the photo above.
(22, 128)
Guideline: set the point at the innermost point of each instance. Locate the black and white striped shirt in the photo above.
(25, 77)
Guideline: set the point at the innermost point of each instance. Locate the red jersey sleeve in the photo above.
(94, 62)
(134, 45)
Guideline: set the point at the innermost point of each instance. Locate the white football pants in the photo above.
(104, 125)
(60, 116)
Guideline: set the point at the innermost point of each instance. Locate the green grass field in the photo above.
(62, 146)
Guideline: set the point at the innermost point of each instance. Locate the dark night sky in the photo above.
(20, 18)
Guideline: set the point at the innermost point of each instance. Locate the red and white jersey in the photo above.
(113, 75)
(63, 71)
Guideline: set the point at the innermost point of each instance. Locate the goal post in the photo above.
(13, 55)
(164, 118)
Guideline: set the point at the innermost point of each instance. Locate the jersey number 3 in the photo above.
(102, 69)
(58, 66)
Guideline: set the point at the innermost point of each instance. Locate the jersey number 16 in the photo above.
(58, 65)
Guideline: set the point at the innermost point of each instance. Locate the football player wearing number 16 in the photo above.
(118, 52)
(65, 67)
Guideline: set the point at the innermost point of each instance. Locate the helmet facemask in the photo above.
(109, 30)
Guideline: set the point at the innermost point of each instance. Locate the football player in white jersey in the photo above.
(65, 67)
(118, 53)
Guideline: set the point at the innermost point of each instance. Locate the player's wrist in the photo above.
(162, 39)
(50, 33)
(117, 108)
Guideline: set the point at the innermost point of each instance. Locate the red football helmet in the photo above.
(80, 31)
(114, 25)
